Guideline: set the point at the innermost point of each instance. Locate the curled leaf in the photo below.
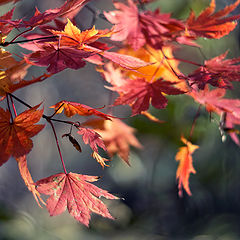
(185, 167)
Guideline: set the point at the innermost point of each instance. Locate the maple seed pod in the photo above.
(73, 141)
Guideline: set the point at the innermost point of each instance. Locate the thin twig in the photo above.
(59, 150)
(5, 44)
(44, 116)
(186, 61)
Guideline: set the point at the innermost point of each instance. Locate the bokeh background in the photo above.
(149, 207)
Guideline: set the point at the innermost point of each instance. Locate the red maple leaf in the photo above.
(212, 25)
(159, 27)
(7, 1)
(139, 28)
(42, 18)
(230, 123)
(6, 24)
(127, 26)
(214, 102)
(58, 59)
(140, 93)
(218, 72)
(74, 192)
(117, 136)
(15, 136)
(92, 138)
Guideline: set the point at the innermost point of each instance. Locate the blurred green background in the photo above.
(149, 207)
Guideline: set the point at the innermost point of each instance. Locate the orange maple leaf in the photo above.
(212, 25)
(15, 135)
(72, 36)
(74, 192)
(159, 66)
(102, 161)
(72, 108)
(27, 178)
(117, 136)
(185, 167)
(12, 73)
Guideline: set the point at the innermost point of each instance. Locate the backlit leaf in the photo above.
(74, 192)
(185, 167)
(15, 136)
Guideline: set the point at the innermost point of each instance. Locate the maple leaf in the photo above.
(185, 167)
(159, 28)
(6, 24)
(139, 93)
(230, 123)
(58, 59)
(42, 18)
(218, 72)
(76, 46)
(74, 192)
(92, 138)
(27, 178)
(72, 108)
(126, 21)
(139, 28)
(72, 36)
(125, 61)
(159, 61)
(112, 75)
(86, 40)
(7, 1)
(117, 136)
(214, 102)
(212, 25)
(102, 161)
(15, 135)
(12, 72)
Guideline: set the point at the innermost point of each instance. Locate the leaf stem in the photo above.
(59, 150)
(8, 104)
(167, 59)
(13, 106)
(186, 61)
(174, 72)
(194, 121)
